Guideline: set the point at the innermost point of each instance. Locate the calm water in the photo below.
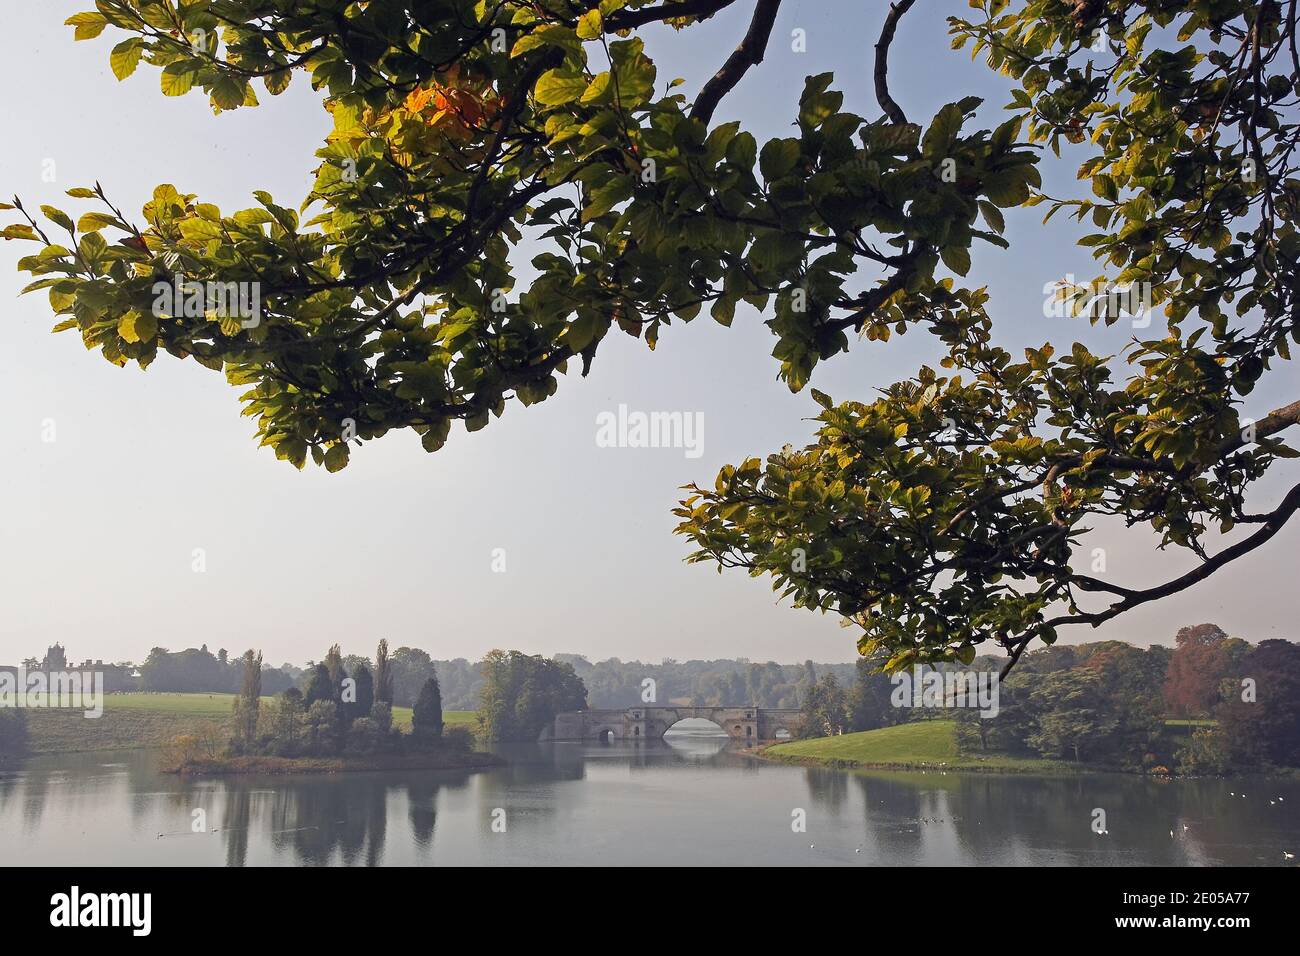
(688, 800)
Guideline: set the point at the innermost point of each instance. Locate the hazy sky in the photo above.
(99, 525)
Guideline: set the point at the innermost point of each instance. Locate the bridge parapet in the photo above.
(653, 721)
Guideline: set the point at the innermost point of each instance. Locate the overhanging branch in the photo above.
(750, 53)
(887, 103)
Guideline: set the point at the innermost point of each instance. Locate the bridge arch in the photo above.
(674, 722)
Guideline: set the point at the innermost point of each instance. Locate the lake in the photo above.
(690, 799)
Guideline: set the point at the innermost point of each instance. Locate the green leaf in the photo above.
(137, 326)
(177, 78)
(956, 258)
(57, 216)
(277, 83)
(229, 92)
(742, 151)
(88, 25)
(336, 457)
(559, 86)
(583, 330)
(125, 57)
(778, 158)
(993, 216)
(590, 25)
(939, 138)
(607, 196)
(94, 221)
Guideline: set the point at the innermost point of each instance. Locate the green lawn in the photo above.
(929, 744)
(150, 720)
(206, 705)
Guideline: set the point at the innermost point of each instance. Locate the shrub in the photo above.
(458, 739)
(1205, 752)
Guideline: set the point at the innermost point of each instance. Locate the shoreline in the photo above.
(1022, 766)
(1047, 768)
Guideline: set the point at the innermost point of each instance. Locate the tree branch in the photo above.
(887, 103)
(1273, 523)
(750, 53)
(701, 9)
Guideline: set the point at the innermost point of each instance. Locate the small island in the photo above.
(339, 723)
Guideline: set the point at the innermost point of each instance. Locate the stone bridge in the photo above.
(652, 721)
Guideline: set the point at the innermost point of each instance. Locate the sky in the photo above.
(99, 526)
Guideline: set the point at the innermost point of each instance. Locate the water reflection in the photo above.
(691, 798)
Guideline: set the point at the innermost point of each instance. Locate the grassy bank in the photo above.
(925, 745)
(133, 721)
(433, 760)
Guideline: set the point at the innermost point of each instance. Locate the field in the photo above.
(149, 720)
(927, 744)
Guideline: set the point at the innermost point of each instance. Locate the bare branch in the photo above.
(750, 53)
(887, 103)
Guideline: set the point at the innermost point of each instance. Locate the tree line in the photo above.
(1213, 704)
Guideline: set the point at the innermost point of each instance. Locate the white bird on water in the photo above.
(1288, 856)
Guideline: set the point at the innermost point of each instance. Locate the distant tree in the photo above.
(249, 700)
(196, 670)
(1265, 729)
(1009, 731)
(809, 673)
(365, 693)
(291, 715)
(522, 693)
(1202, 657)
(322, 726)
(334, 665)
(1132, 681)
(1071, 714)
(383, 675)
(319, 686)
(869, 704)
(426, 721)
(411, 668)
(825, 708)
